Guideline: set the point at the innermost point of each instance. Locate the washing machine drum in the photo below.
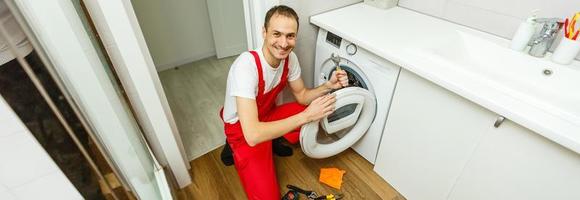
(355, 111)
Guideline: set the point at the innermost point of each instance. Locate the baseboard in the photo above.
(196, 57)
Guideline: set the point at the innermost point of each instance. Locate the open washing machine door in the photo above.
(355, 112)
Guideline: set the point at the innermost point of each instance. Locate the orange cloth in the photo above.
(331, 177)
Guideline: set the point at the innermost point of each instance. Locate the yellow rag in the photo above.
(331, 177)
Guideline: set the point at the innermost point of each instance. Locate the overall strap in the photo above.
(284, 78)
(261, 83)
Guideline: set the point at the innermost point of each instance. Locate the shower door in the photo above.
(60, 31)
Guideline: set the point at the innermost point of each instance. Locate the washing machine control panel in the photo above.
(333, 39)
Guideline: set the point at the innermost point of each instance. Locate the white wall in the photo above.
(26, 170)
(228, 27)
(306, 45)
(498, 17)
(177, 31)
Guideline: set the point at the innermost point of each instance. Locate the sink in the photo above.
(532, 80)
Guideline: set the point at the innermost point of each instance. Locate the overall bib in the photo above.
(255, 165)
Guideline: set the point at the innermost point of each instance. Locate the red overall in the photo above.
(255, 165)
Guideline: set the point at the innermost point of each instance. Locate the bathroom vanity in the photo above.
(469, 119)
(439, 145)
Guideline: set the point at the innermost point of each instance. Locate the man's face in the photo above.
(280, 36)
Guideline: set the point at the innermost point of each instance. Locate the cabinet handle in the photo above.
(498, 121)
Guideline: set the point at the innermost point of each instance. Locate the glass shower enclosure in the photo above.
(60, 33)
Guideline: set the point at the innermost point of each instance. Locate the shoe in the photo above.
(227, 155)
(281, 149)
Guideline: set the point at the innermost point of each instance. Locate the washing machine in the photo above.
(361, 108)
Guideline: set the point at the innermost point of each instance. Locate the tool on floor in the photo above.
(308, 193)
(291, 195)
(331, 177)
(330, 197)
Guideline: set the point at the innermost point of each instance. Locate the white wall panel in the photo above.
(177, 32)
(497, 17)
(488, 15)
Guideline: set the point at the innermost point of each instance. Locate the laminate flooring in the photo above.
(213, 180)
(195, 92)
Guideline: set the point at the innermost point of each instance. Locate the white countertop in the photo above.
(395, 32)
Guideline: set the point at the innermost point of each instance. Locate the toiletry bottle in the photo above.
(524, 33)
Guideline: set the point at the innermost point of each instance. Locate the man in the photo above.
(251, 117)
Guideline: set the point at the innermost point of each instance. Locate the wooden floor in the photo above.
(212, 180)
(195, 93)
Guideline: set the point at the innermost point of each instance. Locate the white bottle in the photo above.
(524, 33)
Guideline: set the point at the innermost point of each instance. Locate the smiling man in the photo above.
(254, 124)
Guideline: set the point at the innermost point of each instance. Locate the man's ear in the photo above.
(263, 32)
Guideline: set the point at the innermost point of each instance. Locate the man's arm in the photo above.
(256, 131)
(304, 95)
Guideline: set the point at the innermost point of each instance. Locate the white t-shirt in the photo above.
(243, 80)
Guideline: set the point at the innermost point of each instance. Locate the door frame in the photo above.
(228, 39)
(254, 13)
(119, 30)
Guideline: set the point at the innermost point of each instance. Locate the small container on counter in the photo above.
(524, 33)
(569, 46)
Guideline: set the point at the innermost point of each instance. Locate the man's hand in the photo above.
(320, 107)
(338, 79)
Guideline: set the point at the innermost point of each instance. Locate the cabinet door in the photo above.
(429, 135)
(513, 163)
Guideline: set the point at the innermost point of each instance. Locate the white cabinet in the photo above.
(512, 163)
(438, 145)
(429, 136)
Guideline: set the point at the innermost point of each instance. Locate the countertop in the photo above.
(392, 33)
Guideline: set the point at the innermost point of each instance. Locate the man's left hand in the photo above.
(338, 80)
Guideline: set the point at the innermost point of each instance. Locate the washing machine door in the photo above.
(354, 114)
(355, 111)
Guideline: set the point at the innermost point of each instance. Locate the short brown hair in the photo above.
(280, 10)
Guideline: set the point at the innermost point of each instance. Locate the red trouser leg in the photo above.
(284, 111)
(255, 165)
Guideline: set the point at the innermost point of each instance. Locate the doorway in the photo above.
(193, 43)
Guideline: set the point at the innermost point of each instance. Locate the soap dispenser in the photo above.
(524, 33)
